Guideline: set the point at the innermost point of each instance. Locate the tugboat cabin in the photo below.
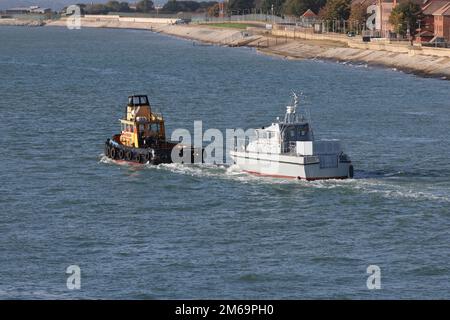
(141, 128)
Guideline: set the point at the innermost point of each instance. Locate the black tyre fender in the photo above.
(107, 150)
(128, 155)
(121, 154)
(113, 153)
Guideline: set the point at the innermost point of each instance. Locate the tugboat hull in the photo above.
(151, 155)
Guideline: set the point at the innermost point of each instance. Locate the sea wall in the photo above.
(112, 21)
(426, 65)
(419, 60)
(221, 36)
(20, 22)
(214, 35)
(307, 35)
(381, 45)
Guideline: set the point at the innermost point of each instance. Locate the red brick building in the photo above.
(434, 26)
(442, 22)
(426, 27)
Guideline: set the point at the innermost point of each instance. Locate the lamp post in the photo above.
(273, 17)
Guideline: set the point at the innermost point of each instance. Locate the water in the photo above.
(205, 231)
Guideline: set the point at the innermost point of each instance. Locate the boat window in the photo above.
(135, 100)
(141, 128)
(143, 100)
(292, 133)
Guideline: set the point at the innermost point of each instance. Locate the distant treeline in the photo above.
(404, 16)
(334, 9)
(146, 6)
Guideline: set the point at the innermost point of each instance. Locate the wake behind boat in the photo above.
(287, 149)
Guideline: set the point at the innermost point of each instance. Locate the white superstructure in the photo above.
(287, 149)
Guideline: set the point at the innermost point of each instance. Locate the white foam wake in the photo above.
(381, 186)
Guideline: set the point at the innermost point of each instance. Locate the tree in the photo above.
(241, 5)
(214, 10)
(110, 6)
(298, 7)
(336, 10)
(96, 9)
(404, 17)
(113, 6)
(358, 15)
(358, 12)
(205, 5)
(266, 6)
(173, 6)
(144, 6)
(124, 7)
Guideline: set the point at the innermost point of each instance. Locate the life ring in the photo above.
(112, 153)
(350, 171)
(128, 155)
(121, 154)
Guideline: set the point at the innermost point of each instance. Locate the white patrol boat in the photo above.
(287, 149)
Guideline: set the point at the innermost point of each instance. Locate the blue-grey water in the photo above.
(206, 231)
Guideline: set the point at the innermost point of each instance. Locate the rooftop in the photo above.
(431, 7)
(443, 11)
(309, 14)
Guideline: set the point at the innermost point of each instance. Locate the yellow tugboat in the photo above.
(143, 136)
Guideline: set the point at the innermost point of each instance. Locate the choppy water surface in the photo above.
(205, 231)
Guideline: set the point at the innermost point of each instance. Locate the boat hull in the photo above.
(292, 166)
(156, 154)
(151, 155)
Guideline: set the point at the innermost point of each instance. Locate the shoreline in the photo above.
(427, 66)
(299, 49)
(405, 70)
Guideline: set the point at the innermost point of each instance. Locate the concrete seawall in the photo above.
(433, 62)
(425, 61)
(425, 65)
(21, 23)
(222, 36)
